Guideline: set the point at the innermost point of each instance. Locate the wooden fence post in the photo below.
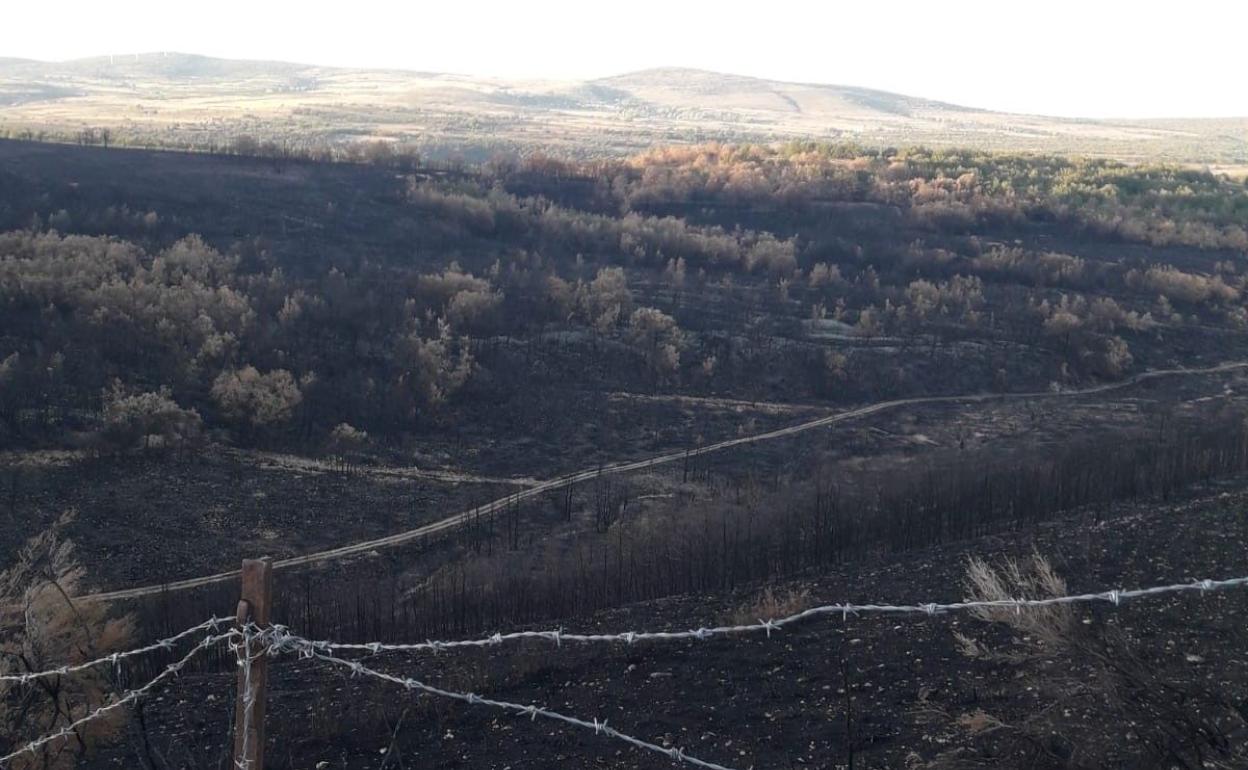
(253, 607)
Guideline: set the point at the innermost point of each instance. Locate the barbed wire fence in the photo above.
(71, 729)
(115, 658)
(558, 636)
(251, 642)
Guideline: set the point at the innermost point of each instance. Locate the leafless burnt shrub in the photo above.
(1092, 673)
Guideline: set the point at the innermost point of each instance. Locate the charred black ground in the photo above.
(205, 358)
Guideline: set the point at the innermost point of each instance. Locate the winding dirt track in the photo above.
(626, 467)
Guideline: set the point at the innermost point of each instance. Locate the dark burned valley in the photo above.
(701, 387)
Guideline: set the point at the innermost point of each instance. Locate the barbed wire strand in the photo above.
(559, 636)
(283, 640)
(116, 657)
(132, 695)
(276, 639)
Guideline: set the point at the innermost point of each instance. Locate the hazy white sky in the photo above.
(1095, 58)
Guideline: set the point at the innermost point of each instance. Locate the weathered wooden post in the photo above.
(253, 607)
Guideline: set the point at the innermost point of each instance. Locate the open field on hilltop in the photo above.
(187, 101)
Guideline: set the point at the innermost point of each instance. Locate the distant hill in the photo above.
(680, 87)
(156, 66)
(188, 100)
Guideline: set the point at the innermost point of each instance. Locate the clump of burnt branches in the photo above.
(1086, 672)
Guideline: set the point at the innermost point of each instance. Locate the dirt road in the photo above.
(542, 487)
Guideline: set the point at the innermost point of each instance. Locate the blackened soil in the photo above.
(885, 689)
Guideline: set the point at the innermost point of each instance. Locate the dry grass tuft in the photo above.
(770, 604)
(1033, 578)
